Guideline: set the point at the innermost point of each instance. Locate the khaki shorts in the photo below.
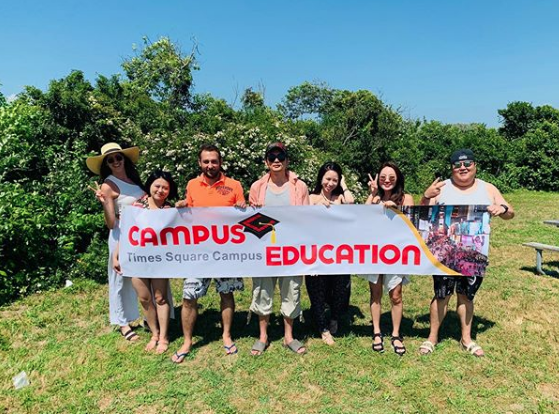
(290, 293)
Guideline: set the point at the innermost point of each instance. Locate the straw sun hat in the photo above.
(94, 163)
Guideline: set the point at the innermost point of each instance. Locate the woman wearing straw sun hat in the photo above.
(121, 187)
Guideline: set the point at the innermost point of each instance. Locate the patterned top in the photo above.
(144, 203)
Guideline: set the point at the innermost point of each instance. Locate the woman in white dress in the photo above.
(121, 187)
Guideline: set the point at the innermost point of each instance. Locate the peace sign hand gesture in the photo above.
(98, 193)
(434, 189)
(373, 184)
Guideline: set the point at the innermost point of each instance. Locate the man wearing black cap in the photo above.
(279, 187)
(463, 188)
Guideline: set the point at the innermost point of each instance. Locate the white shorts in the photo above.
(389, 281)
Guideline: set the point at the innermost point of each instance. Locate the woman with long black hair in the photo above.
(121, 187)
(329, 189)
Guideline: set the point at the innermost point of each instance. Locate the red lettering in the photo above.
(394, 250)
(148, 235)
(406, 253)
(273, 257)
(200, 234)
(215, 235)
(323, 249)
(361, 248)
(290, 255)
(344, 252)
(374, 253)
(308, 260)
(237, 231)
(133, 230)
(175, 232)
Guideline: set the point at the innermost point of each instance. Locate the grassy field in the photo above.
(78, 364)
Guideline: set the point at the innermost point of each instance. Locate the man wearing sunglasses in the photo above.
(463, 188)
(279, 187)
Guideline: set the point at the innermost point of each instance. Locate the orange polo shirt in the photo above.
(225, 192)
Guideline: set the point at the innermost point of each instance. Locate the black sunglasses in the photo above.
(459, 164)
(280, 156)
(116, 158)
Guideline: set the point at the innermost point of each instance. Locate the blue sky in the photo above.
(453, 61)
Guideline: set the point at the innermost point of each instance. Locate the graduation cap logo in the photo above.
(260, 225)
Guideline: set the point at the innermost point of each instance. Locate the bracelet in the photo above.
(346, 190)
(424, 196)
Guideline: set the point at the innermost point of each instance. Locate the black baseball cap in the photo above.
(276, 146)
(464, 154)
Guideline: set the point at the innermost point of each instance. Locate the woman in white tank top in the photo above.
(121, 187)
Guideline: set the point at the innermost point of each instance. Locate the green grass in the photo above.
(78, 364)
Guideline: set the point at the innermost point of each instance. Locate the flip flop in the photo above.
(295, 346)
(231, 349)
(260, 347)
(179, 358)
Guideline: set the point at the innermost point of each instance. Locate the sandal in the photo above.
(472, 348)
(399, 350)
(427, 348)
(259, 347)
(130, 335)
(152, 344)
(296, 346)
(378, 347)
(162, 347)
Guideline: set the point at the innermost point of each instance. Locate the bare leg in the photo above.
(189, 313)
(263, 321)
(227, 313)
(437, 313)
(288, 334)
(143, 289)
(163, 311)
(375, 303)
(465, 310)
(396, 311)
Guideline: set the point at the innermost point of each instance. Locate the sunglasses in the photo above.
(280, 156)
(116, 158)
(459, 164)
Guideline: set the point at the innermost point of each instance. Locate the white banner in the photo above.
(295, 240)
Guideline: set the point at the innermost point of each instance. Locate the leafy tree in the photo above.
(162, 71)
(305, 99)
(517, 119)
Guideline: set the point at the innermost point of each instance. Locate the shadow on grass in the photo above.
(551, 273)
(451, 326)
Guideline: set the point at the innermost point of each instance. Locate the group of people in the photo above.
(121, 186)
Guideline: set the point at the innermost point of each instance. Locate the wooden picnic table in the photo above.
(552, 222)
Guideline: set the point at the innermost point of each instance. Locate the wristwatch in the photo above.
(505, 207)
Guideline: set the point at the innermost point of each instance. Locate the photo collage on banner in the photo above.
(458, 236)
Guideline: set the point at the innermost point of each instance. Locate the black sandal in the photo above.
(130, 335)
(380, 346)
(400, 350)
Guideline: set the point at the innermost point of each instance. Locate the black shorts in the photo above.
(465, 285)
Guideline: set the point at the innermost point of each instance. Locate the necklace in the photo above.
(325, 198)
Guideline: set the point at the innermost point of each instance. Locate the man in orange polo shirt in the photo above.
(210, 189)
